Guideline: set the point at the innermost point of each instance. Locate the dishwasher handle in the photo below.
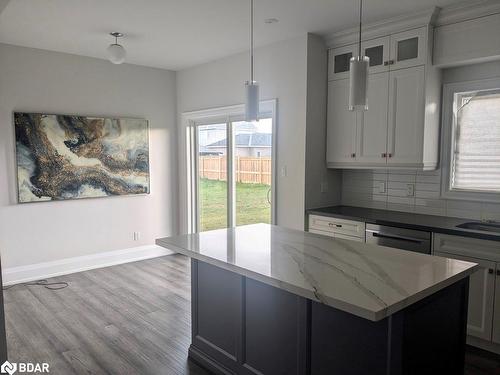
(395, 237)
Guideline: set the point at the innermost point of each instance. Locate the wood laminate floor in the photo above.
(127, 319)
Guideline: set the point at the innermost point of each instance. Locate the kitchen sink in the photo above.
(480, 225)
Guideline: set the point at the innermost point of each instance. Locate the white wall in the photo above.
(281, 72)
(360, 188)
(41, 81)
(316, 172)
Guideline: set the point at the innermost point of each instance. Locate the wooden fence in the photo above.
(248, 170)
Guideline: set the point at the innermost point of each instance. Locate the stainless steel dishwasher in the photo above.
(400, 238)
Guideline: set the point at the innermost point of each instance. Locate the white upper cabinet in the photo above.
(468, 42)
(371, 127)
(396, 131)
(341, 134)
(378, 52)
(406, 116)
(339, 61)
(408, 48)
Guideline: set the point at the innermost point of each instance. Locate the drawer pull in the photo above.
(337, 225)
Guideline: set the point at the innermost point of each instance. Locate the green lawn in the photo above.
(251, 204)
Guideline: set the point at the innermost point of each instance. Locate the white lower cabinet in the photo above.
(481, 295)
(484, 298)
(496, 310)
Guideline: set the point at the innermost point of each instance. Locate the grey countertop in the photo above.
(430, 223)
(366, 280)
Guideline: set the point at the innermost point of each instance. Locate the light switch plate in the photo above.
(324, 187)
(381, 187)
(410, 190)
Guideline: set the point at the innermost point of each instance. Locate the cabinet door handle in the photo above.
(490, 271)
(391, 62)
(384, 155)
(389, 155)
(386, 63)
(498, 272)
(353, 155)
(335, 225)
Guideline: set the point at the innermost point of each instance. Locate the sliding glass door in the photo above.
(233, 173)
(253, 171)
(212, 184)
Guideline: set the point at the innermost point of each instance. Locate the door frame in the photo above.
(188, 146)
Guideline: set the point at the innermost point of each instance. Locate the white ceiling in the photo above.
(175, 34)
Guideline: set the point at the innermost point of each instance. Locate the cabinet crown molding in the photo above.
(467, 11)
(383, 28)
(435, 16)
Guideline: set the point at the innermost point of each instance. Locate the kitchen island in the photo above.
(271, 300)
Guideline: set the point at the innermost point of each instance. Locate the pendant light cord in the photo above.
(251, 42)
(360, 22)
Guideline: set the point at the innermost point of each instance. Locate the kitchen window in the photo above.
(472, 141)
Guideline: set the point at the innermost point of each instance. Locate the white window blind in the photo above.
(476, 149)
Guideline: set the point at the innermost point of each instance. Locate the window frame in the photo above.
(448, 139)
(188, 196)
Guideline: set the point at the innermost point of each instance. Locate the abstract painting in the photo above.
(70, 157)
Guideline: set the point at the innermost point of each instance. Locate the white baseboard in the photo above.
(22, 274)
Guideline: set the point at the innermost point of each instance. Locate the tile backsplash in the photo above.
(409, 191)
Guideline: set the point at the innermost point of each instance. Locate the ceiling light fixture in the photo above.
(358, 75)
(116, 52)
(251, 87)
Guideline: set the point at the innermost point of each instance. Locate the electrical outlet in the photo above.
(410, 190)
(137, 236)
(381, 187)
(324, 187)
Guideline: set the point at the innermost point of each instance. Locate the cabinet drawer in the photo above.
(338, 235)
(465, 246)
(334, 225)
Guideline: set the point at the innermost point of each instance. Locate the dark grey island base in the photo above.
(243, 326)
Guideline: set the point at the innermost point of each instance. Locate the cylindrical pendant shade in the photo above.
(252, 101)
(358, 83)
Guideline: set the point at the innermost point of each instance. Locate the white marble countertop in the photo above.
(366, 280)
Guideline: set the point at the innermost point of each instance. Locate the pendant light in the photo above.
(358, 75)
(251, 87)
(116, 52)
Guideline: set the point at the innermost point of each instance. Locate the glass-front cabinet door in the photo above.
(378, 52)
(339, 60)
(408, 48)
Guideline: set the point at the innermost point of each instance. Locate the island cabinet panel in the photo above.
(342, 343)
(275, 331)
(242, 326)
(216, 309)
(427, 337)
